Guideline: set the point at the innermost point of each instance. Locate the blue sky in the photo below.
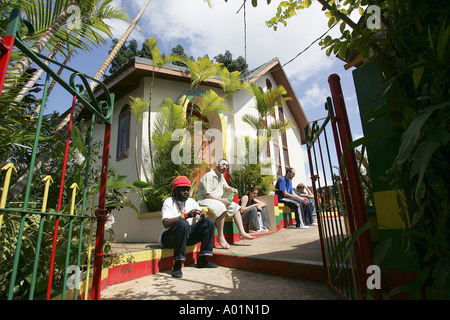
(203, 30)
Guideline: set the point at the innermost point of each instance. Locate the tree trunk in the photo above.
(36, 76)
(61, 130)
(40, 44)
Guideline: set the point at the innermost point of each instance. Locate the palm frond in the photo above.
(138, 107)
(170, 117)
(232, 82)
(281, 125)
(201, 70)
(253, 121)
(210, 102)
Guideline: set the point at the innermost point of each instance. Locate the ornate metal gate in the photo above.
(70, 248)
(342, 218)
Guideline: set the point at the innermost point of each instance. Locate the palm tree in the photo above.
(231, 82)
(119, 44)
(159, 61)
(60, 131)
(200, 70)
(138, 107)
(266, 102)
(41, 43)
(172, 117)
(92, 21)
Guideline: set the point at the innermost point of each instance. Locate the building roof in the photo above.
(127, 79)
(277, 72)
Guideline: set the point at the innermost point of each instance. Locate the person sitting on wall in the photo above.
(304, 192)
(286, 194)
(185, 224)
(254, 212)
(209, 194)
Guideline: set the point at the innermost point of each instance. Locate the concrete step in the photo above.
(285, 265)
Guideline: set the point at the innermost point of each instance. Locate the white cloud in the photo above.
(202, 30)
(314, 97)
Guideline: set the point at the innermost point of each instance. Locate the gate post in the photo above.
(354, 182)
(6, 46)
(100, 213)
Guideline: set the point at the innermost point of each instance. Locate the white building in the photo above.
(135, 80)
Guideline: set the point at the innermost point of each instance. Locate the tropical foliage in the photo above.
(52, 32)
(267, 102)
(252, 174)
(117, 190)
(411, 45)
(171, 130)
(49, 29)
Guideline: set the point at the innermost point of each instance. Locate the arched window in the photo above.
(123, 134)
(268, 84)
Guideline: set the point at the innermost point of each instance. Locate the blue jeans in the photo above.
(312, 208)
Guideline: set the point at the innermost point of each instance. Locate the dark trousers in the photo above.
(182, 234)
(302, 211)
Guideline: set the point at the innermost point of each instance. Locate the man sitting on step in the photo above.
(286, 194)
(185, 223)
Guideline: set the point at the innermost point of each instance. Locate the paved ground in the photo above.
(218, 284)
(289, 243)
(233, 284)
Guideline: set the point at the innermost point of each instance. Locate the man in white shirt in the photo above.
(210, 192)
(185, 223)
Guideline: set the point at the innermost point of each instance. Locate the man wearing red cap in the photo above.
(185, 223)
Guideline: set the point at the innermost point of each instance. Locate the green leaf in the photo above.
(346, 245)
(78, 141)
(440, 136)
(417, 76)
(430, 38)
(442, 41)
(110, 204)
(342, 27)
(141, 184)
(343, 51)
(307, 3)
(364, 140)
(412, 133)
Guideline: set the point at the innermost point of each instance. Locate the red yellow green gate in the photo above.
(71, 239)
(345, 239)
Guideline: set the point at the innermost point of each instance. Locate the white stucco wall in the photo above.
(148, 229)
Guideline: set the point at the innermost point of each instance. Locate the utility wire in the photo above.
(245, 33)
(301, 52)
(309, 45)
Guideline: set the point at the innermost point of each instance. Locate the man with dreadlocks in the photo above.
(185, 223)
